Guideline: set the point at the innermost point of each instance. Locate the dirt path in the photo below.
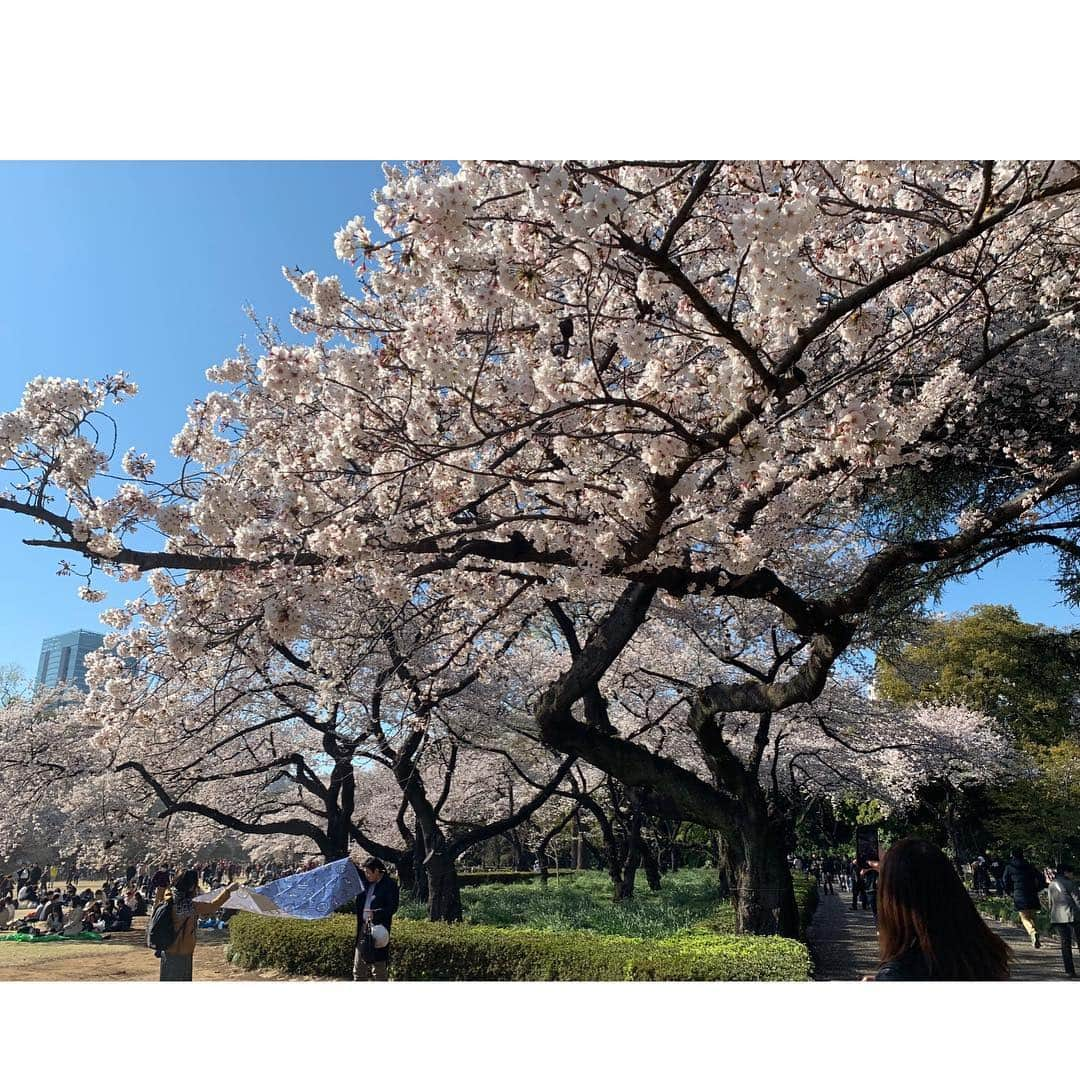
(121, 957)
(111, 961)
(844, 945)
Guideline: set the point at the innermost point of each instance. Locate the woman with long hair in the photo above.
(928, 927)
(185, 910)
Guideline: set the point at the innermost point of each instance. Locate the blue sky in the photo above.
(147, 268)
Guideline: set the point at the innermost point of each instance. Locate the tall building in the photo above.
(63, 658)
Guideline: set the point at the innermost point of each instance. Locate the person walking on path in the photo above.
(928, 927)
(186, 909)
(858, 891)
(1065, 914)
(828, 874)
(869, 885)
(375, 905)
(1025, 882)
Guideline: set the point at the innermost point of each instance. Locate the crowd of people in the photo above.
(833, 873)
(67, 911)
(33, 903)
(928, 925)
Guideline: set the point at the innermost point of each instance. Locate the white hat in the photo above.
(380, 936)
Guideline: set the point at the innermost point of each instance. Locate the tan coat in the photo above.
(184, 943)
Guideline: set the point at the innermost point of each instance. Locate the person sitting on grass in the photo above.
(92, 919)
(47, 906)
(7, 912)
(73, 924)
(134, 899)
(118, 919)
(53, 914)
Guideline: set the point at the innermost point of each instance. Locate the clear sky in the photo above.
(147, 268)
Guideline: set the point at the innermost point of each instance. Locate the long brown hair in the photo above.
(923, 904)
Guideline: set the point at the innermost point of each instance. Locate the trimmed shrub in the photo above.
(426, 951)
(807, 897)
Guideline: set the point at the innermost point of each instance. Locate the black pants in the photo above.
(1066, 933)
(858, 892)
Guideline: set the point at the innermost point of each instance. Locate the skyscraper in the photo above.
(63, 658)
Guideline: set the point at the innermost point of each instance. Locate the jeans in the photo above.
(362, 972)
(1066, 933)
(175, 968)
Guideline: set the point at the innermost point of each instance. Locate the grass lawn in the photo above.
(582, 901)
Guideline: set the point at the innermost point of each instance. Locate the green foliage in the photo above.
(471, 877)
(583, 901)
(570, 930)
(806, 899)
(1042, 813)
(1027, 676)
(426, 951)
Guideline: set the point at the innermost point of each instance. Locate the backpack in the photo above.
(160, 932)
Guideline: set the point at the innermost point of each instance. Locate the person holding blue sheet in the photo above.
(375, 906)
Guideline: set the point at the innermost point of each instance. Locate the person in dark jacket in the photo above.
(858, 892)
(997, 870)
(1024, 882)
(869, 885)
(377, 903)
(928, 927)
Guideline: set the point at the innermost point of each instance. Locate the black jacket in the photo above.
(1025, 882)
(384, 902)
(909, 967)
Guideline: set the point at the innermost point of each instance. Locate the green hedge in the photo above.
(806, 898)
(426, 951)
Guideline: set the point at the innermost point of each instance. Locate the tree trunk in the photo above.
(763, 894)
(420, 879)
(652, 867)
(406, 874)
(444, 889)
(577, 841)
(952, 832)
(517, 849)
(624, 886)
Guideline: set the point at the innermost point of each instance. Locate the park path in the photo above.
(843, 943)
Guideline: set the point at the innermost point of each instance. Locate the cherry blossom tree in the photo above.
(267, 734)
(622, 382)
